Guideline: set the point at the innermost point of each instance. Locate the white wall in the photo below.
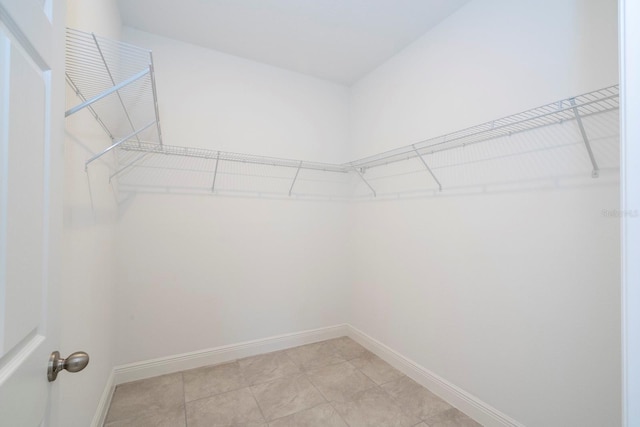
(218, 101)
(101, 17)
(198, 271)
(490, 59)
(514, 297)
(90, 212)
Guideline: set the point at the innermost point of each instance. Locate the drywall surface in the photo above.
(197, 271)
(490, 59)
(90, 213)
(101, 17)
(218, 101)
(512, 296)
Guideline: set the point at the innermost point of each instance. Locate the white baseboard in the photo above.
(104, 403)
(483, 413)
(196, 359)
(466, 402)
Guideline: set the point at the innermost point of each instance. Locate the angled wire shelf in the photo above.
(148, 166)
(576, 108)
(592, 119)
(115, 82)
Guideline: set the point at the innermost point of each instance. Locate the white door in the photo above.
(31, 126)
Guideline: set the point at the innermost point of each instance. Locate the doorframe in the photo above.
(629, 36)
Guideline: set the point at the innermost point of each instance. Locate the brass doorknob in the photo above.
(76, 362)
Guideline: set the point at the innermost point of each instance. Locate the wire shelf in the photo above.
(115, 82)
(231, 157)
(149, 168)
(571, 109)
(564, 137)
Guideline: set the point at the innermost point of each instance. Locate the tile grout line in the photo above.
(379, 386)
(258, 405)
(184, 400)
(393, 399)
(316, 388)
(209, 396)
(250, 387)
(303, 372)
(332, 403)
(339, 416)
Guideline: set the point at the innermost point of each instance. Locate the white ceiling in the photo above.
(336, 40)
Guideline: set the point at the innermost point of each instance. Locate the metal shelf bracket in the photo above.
(215, 173)
(424, 162)
(294, 178)
(596, 171)
(364, 180)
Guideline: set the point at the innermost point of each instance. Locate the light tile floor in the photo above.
(334, 383)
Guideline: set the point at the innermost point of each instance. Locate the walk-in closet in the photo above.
(412, 213)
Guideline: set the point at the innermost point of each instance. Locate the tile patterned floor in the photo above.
(334, 383)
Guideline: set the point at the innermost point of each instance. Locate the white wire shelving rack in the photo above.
(115, 82)
(550, 118)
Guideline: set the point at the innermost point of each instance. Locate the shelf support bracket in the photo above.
(215, 173)
(114, 145)
(294, 178)
(155, 97)
(106, 93)
(424, 162)
(595, 173)
(364, 180)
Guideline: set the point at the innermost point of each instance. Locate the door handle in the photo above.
(76, 362)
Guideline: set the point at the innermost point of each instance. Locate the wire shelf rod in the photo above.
(106, 93)
(89, 107)
(123, 140)
(233, 157)
(106, 66)
(128, 165)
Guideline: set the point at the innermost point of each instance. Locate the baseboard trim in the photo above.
(104, 403)
(480, 411)
(196, 359)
